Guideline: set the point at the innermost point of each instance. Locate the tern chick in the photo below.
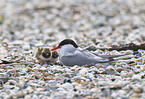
(45, 55)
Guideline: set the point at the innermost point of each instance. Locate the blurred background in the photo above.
(110, 21)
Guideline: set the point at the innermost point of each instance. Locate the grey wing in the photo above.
(81, 58)
(94, 57)
(72, 59)
(89, 54)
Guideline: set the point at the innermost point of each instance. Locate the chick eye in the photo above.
(46, 55)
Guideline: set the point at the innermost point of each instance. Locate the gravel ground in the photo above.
(28, 24)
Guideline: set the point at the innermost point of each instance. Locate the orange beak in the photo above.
(57, 47)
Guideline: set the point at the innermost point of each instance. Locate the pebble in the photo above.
(138, 90)
(60, 89)
(1, 70)
(67, 86)
(29, 89)
(110, 70)
(58, 95)
(27, 97)
(21, 93)
(52, 83)
(129, 74)
(67, 80)
(12, 82)
(26, 47)
(119, 69)
(83, 71)
(135, 77)
(34, 97)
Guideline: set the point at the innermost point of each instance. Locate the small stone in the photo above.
(110, 70)
(21, 84)
(58, 95)
(34, 96)
(49, 78)
(119, 69)
(136, 77)
(12, 82)
(102, 71)
(129, 74)
(137, 90)
(29, 89)
(30, 69)
(67, 86)
(47, 93)
(27, 97)
(1, 70)
(67, 80)
(83, 71)
(40, 90)
(52, 83)
(26, 47)
(46, 74)
(21, 93)
(60, 89)
(89, 97)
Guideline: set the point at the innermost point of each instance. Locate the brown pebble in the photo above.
(89, 97)
(66, 75)
(48, 78)
(1, 87)
(41, 70)
(137, 90)
(103, 72)
(138, 60)
(45, 74)
(132, 64)
(30, 69)
(119, 69)
(37, 76)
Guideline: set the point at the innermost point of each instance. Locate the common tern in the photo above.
(45, 55)
(70, 54)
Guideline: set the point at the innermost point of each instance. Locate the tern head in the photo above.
(65, 42)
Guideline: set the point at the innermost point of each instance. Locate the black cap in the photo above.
(67, 41)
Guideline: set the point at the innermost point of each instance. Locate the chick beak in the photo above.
(57, 47)
(47, 54)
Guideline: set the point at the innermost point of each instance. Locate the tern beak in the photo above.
(57, 47)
